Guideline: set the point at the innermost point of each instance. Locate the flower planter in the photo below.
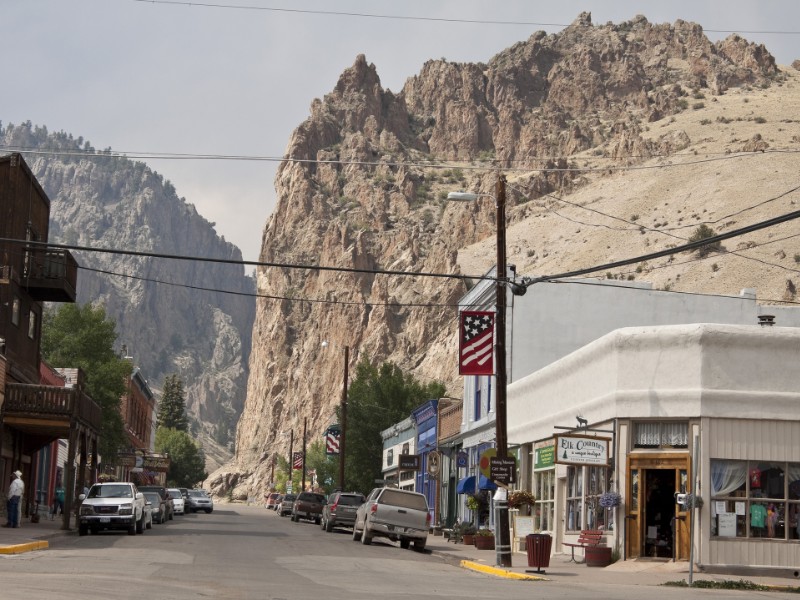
(598, 556)
(469, 539)
(484, 542)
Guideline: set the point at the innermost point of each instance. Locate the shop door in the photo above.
(657, 527)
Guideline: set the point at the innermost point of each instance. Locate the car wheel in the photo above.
(356, 534)
(83, 530)
(149, 524)
(317, 520)
(208, 511)
(140, 525)
(171, 516)
(404, 544)
(328, 526)
(419, 545)
(94, 530)
(366, 538)
(132, 528)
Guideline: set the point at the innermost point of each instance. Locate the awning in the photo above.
(467, 485)
(486, 484)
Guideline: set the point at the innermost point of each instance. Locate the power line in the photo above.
(677, 249)
(409, 17)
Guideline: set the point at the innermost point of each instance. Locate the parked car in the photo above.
(308, 505)
(199, 500)
(271, 499)
(177, 500)
(340, 510)
(148, 513)
(286, 505)
(395, 514)
(159, 506)
(117, 505)
(185, 494)
(162, 491)
(278, 503)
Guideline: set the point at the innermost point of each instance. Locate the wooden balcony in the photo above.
(51, 275)
(47, 413)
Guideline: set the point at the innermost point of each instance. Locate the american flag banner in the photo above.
(332, 441)
(297, 461)
(476, 356)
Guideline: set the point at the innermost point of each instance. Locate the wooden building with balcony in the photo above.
(34, 415)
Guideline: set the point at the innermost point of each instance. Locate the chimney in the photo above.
(766, 320)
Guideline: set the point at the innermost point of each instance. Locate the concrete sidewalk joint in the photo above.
(499, 572)
(27, 547)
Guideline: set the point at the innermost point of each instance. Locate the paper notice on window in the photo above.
(719, 507)
(726, 525)
(740, 508)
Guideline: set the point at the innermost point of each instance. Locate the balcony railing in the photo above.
(50, 275)
(45, 401)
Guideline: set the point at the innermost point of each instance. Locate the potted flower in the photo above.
(473, 502)
(484, 539)
(467, 531)
(610, 499)
(520, 499)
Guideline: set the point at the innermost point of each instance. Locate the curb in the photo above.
(473, 566)
(27, 547)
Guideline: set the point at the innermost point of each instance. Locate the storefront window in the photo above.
(584, 487)
(755, 499)
(544, 490)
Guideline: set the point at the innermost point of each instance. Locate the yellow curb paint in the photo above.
(20, 548)
(473, 566)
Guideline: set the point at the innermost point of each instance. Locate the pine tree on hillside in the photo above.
(172, 412)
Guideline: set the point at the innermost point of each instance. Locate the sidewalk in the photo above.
(30, 536)
(645, 572)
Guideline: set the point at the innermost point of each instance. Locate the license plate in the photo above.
(105, 520)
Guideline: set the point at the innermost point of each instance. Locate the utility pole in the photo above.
(291, 457)
(303, 489)
(503, 546)
(343, 432)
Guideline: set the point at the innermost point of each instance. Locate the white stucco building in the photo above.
(709, 409)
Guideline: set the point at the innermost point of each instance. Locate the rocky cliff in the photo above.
(172, 316)
(367, 174)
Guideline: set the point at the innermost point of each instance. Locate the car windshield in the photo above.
(110, 491)
(197, 494)
(289, 498)
(174, 494)
(153, 497)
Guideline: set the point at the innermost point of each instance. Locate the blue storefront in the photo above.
(425, 418)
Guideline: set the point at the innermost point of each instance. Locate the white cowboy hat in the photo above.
(18, 474)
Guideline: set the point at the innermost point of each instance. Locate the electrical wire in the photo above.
(250, 7)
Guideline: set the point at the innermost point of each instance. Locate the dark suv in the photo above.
(340, 511)
(162, 491)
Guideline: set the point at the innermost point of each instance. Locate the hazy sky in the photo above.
(235, 77)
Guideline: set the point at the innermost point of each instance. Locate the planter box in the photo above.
(484, 542)
(598, 556)
(469, 539)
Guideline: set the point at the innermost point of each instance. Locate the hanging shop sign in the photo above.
(582, 450)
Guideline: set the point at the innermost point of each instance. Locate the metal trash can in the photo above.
(538, 547)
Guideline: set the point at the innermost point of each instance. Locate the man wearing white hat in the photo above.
(15, 491)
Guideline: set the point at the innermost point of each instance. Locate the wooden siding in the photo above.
(744, 439)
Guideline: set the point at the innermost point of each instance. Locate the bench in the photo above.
(588, 538)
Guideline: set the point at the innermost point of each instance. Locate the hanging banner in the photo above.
(297, 461)
(476, 343)
(332, 440)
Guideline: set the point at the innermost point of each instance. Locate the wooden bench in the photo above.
(588, 538)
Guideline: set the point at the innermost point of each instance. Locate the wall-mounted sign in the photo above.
(581, 450)
(408, 462)
(462, 459)
(434, 463)
(503, 470)
(544, 455)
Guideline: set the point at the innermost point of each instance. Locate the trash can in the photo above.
(538, 547)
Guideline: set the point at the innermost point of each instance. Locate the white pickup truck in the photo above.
(118, 505)
(395, 514)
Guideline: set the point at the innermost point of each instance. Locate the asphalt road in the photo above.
(241, 552)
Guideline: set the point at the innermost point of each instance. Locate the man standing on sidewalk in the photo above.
(15, 491)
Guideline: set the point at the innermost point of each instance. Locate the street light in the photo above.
(503, 534)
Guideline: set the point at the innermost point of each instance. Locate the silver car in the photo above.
(199, 500)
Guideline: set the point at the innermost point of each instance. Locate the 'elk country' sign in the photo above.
(581, 450)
